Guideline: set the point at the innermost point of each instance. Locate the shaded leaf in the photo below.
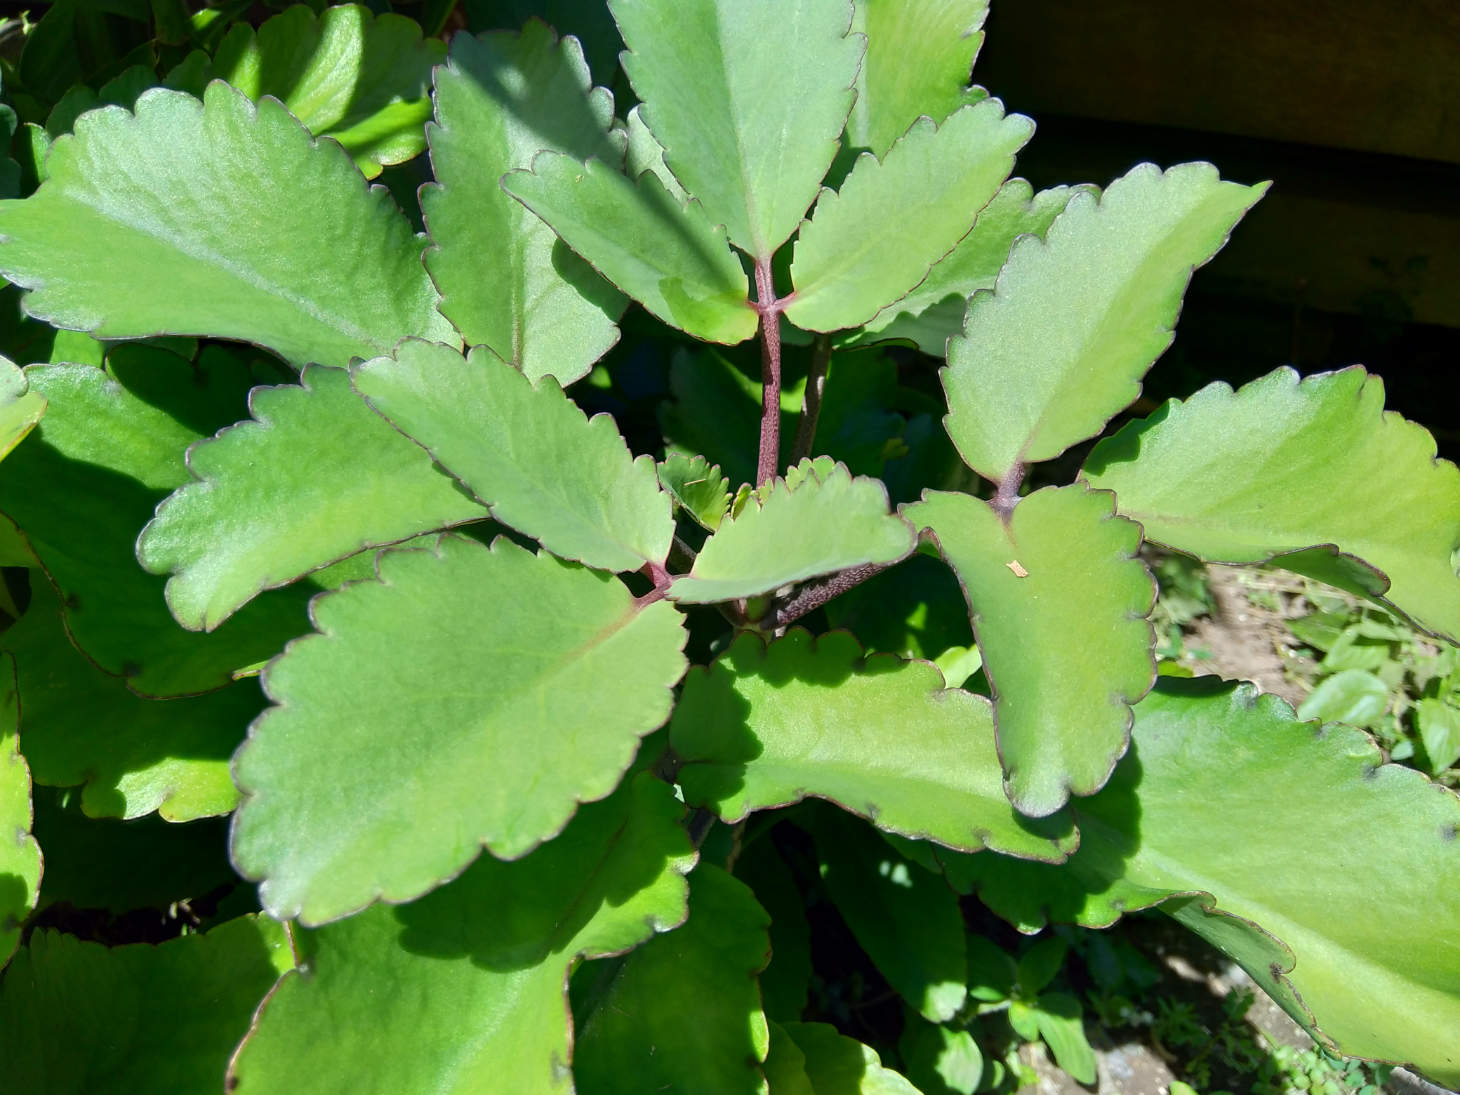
(933, 312)
(838, 1065)
(111, 444)
(715, 410)
(390, 991)
(1058, 599)
(364, 80)
(748, 98)
(1310, 475)
(526, 451)
(702, 977)
(666, 255)
(20, 856)
(20, 408)
(311, 478)
(785, 1065)
(697, 487)
(905, 917)
(767, 726)
(645, 153)
(1075, 320)
(872, 241)
(505, 279)
(1225, 796)
(825, 526)
(786, 983)
(941, 1060)
(489, 653)
(129, 755)
(78, 1018)
(330, 274)
(1061, 1024)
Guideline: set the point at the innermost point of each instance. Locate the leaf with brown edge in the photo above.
(769, 725)
(1058, 598)
(444, 690)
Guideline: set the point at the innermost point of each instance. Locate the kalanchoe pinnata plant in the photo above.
(532, 704)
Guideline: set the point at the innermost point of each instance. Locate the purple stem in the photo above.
(810, 598)
(1006, 496)
(769, 309)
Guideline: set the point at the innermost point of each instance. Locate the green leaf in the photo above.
(683, 1012)
(824, 526)
(312, 478)
(665, 254)
(1439, 730)
(1352, 696)
(506, 281)
(785, 1065)
(1058, 598)
(1305, 474)
(20, 856)
(20, 408)
(1039, 964)
(645, 153)
(748, 98)
(111, 444)
(329, 274)
(466, 667)
(362, 79)
(1061, 1025)
(993, 975)
(697, 487)
(767, 726)
(838, 1065)
(940, 1060)
(1227, 797)
(919, 56)
(871, 242)
(79, 1019)
(933, 312)
(526, 451)
(129, 755)
(905, 917)
(1076, 319)
(715, 410)
(390, 991)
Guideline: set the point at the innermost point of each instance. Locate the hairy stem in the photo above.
(811, 400)
(770, 399)
(1006, 496)
(810, 598)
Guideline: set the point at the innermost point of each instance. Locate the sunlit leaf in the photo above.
(20, 856)
(697, 487)
(645, 153)
(683, 1012)
(1058, 600)
(1352, 696)
(941, 1060)
(362, 79)
(390, 992)
(111, 445)
(525, 450)
(443, 691)
(1226, 797)
(129, 755)
(1306, 474)
(77, 1018)
(331, 273)
(748, 98)
(313, 477)
(933, 312)
(1061, 342)
(919, 56)
(20, 408)
(506, 280)
(666, 255)
(824, 526)
(872, 241)
(767, 726)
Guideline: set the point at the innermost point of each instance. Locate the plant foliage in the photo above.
(411, 526)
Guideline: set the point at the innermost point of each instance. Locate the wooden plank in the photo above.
(1359, 74)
